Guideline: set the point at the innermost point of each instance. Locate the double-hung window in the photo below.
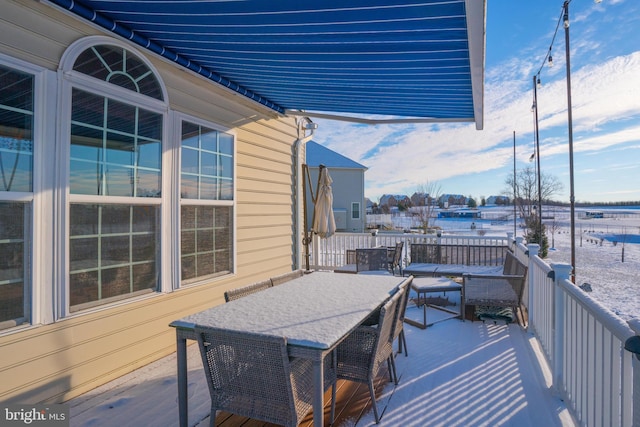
(16, 194)
(207, 197)
(115, 178)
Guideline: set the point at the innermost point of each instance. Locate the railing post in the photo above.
(533, 249)
(373, 243)
(633, 345)
(561, 272)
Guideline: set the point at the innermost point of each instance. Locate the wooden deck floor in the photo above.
(352, 401)
(457, 374)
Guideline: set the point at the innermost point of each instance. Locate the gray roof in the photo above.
(318, 155)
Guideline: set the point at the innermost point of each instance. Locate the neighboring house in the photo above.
(348, 187)
(394, 200)
(139, 181)
(449, 200)
(498, 200)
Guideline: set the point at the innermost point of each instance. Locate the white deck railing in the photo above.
(326, 254)
(582, 341)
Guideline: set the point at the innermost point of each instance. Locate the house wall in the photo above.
(347, 188)
(61, 359)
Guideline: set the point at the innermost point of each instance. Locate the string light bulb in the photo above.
(566, 18)
(539, 83)
(550, 61)
(533, 107)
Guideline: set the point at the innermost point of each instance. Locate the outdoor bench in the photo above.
(434, 259)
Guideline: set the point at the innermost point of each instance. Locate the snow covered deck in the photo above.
(457, 373)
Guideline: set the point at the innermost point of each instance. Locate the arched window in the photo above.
(115, 189)
(118, 66)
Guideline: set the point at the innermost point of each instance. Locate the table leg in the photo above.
(181, 355)
(318, 393)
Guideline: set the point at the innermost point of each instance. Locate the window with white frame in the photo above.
(16, 194)
(355, 210)
(206, 194)
(115, 180)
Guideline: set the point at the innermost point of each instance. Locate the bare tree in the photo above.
(526, 198)
(432, 192)
(526, 189)
(554, 226)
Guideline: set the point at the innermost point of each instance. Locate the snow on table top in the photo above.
(314, 311)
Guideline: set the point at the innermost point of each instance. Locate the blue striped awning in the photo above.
(410, 59)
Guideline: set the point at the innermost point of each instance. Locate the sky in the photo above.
(457, 159)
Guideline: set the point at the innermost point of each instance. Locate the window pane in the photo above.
(205, 241)
(108, 155)
(209, 139)
(206, 157)
(114, 252)
(225, 144)
(14, 292)
(16, 131)
(122, 69)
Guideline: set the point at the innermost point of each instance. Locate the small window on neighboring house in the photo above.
(355, 210)
(206, 194)
(16, 191)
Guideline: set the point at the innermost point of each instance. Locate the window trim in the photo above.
(72, 79)
(41, 298)
(359, 210)
(176, 140)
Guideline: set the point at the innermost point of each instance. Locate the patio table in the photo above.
(314, 312)
(434, 270)
(426, 285)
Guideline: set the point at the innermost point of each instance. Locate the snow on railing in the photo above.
(326, 254)
(583, 343)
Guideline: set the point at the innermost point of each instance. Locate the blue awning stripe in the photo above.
(394, 57)
(95, 17)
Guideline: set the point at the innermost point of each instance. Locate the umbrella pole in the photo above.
(306, 240)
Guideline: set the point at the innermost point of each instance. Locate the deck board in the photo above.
(457, 373)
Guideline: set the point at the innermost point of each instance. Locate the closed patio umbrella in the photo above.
(323, 223)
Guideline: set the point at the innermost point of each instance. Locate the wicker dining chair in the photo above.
(394, 255)
(361, 355)
(371, 259)
(283, 278)
(243, 291)
(252, 375)
(398, 330)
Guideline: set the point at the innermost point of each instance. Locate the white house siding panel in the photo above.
(57, 361)
(347, 188)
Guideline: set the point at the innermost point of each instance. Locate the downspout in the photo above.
(306, 129)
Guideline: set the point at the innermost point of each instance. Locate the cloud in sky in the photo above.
(605, 81)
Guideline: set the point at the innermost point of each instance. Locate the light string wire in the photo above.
(555, 33)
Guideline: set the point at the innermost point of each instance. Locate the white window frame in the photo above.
(176, 148)
(70, 79)
(354, 210)
(39, 230)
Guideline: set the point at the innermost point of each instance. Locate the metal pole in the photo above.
(515, 212)
(535, 102)
(572, 199)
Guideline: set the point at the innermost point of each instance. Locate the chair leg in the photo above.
(212, 418)
(373, 401)
(333, 404)
(392, 377)
(393, 367)
(402, 339)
